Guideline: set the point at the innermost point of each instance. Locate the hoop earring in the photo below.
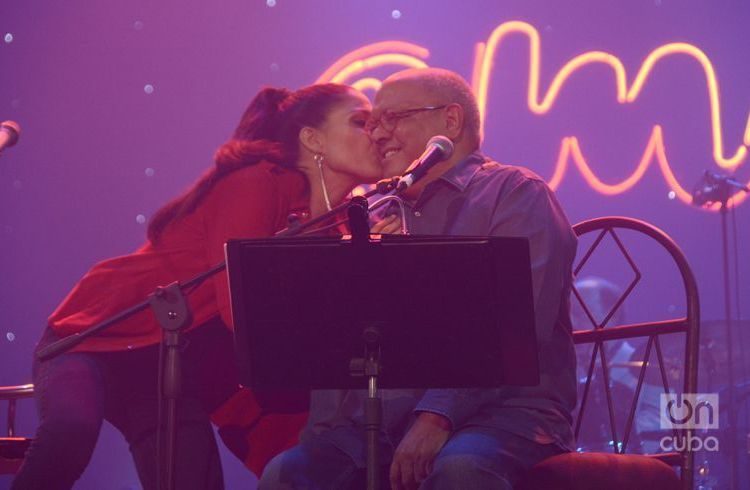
(318, 157)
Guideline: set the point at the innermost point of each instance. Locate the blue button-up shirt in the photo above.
(479, 197)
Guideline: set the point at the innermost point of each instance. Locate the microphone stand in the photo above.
(717, 188)
(172, 311)
(732, 414)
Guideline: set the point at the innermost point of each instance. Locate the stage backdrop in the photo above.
(620, 107)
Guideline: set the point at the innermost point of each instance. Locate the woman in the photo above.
(293, 153)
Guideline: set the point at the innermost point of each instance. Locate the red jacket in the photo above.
(251, 202)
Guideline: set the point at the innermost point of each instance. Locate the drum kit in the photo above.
(625, 359)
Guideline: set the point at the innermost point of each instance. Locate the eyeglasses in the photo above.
(389, 119)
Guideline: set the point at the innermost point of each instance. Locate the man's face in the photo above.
(406, 140)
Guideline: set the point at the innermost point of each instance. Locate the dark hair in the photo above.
(268, 131)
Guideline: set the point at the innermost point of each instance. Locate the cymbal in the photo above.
(713, 354)
(627, 364)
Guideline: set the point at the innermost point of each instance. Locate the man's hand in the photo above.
(413, 459)
(390, 225)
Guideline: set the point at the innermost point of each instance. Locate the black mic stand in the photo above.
(172, 311)
(173, 314)
(715, 188)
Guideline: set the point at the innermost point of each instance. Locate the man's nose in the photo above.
(378, 135)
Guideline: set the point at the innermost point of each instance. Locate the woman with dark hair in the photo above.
(292, 153)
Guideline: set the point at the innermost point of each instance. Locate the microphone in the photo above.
(9, 132)
(719, 178)
(439, 148)
(715, 187)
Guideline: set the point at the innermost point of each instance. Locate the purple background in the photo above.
(74, 77)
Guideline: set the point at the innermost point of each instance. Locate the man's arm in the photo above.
(529, 209)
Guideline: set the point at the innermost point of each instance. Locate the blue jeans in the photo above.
(76, 391)
(474, 457)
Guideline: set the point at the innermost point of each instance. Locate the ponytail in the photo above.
(268, 131)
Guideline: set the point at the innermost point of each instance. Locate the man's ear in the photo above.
(454, 120)
(312, 140)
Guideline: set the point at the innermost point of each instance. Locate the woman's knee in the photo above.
(69, 396)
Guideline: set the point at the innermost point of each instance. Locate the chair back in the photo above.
(601, 332)
(12, 447)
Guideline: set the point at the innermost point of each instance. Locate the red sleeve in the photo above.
(245, 204)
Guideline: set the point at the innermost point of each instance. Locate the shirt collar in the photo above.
(461, 175)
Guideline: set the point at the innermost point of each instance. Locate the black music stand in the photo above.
(404, 311)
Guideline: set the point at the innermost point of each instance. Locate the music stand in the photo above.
(405, 311)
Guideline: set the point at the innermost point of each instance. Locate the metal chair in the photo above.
(12, 447)
(619, 470)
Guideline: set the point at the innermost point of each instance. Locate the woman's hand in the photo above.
(390, 225)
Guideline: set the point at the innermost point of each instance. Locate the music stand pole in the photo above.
(369, 366)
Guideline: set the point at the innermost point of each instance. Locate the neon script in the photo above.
(350, 68)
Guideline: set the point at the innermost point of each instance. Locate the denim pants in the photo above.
(76, 391)
(473, 457)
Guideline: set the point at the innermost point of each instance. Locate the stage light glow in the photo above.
(138, 25)
(712, 85)
(149, 172)
(271, 3)
(375, 55)
(140, 219)
(401, 48)
(671, 195)
(367, 84)
(8, 38)
(623, 95)
(149, 89)
(396, 14)
(359, 66)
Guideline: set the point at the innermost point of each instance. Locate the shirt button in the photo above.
(417, 214)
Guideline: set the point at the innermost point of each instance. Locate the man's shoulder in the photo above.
(508, 176)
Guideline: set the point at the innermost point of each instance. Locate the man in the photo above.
(454, 438)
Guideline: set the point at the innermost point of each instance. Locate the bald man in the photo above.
(449, 439)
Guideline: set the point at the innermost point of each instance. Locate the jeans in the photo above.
(76, 391)
(474, 457)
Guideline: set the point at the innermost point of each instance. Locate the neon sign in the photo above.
(406, 55)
